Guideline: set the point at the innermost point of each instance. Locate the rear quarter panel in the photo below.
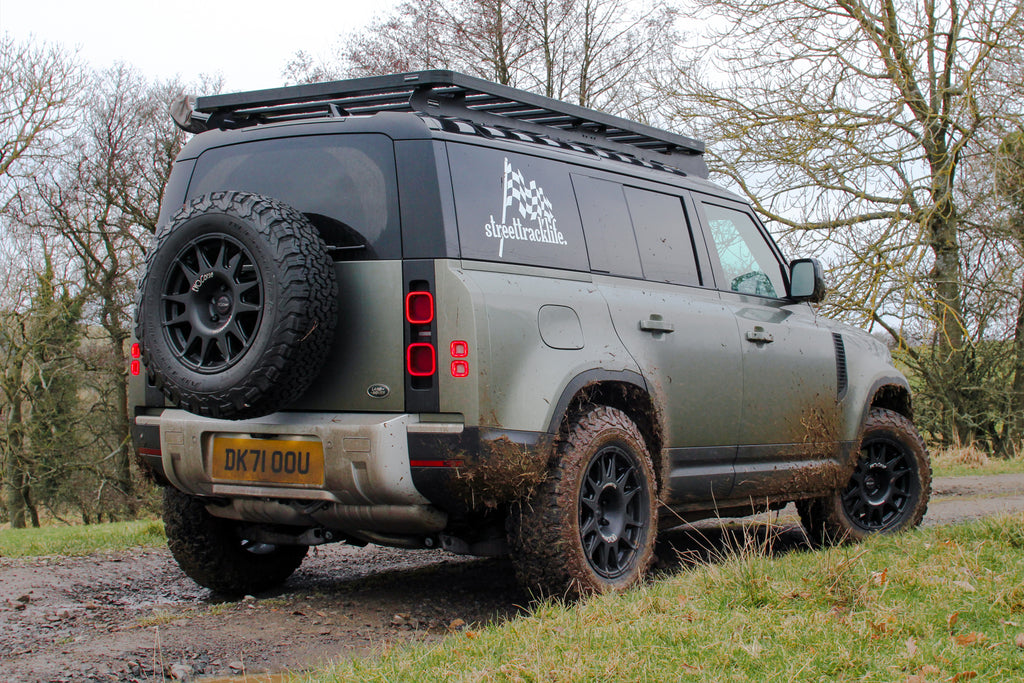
(524, 346)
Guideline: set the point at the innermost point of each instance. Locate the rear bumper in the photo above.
(368, 484)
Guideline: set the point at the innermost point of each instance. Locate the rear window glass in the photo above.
(345, 184)
(516, 209)
(663, 235)
(610, 240)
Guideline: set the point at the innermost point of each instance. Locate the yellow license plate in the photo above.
(268, 461)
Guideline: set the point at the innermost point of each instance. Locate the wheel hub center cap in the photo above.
(222, 304)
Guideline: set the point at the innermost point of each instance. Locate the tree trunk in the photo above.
(1016, 417)
(14, 473)
(123, 460)
(946, 280)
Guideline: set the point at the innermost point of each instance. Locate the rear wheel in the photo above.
(590, 527)
(215, 556)
(887, 492)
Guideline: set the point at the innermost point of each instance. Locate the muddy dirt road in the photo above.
(135, 617)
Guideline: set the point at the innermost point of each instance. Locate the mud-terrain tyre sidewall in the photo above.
(299, 307)
(211, 553)
(826, 519)
(544, 531)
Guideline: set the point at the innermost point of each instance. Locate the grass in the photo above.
(80, 540)
(959, 461)
(937, 604)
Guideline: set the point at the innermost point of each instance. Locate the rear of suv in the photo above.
(429, 311)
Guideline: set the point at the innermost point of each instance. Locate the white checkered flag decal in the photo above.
(532, 203)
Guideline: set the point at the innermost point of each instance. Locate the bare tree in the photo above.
(38, 85)
(100, 204)
(848, 124)
(595, 53)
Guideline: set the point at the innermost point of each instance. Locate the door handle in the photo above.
(656, 324)
(758, 335)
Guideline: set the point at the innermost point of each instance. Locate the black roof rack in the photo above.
(450, 94)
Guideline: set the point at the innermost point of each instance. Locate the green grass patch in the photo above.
(960, 461)
(936, 604)
(81, 540)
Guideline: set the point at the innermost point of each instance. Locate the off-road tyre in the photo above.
(236, 307)
(590, 526)
(210, 551)
(888, 491)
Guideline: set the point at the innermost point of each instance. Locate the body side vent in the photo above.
(842, 380)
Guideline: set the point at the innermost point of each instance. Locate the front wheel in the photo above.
(590, 527)
(209, 550)
(887, 492)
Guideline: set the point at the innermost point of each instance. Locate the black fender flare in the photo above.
(581, 380)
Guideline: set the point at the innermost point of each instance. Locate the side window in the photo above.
(515, 208)
(663, 235)
(345, 184)
(610, 240)
(747, 261)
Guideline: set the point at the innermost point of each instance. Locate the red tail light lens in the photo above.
(459, 349)
(419, 308)
(136, 365)
(460, 368)
(421, 359)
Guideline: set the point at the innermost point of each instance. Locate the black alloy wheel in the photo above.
(590, 526)
(212, 303)
(237, 306)
(888, 489)
(613, 512)
(881, 487)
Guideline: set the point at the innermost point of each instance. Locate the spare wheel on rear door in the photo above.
(237, 305)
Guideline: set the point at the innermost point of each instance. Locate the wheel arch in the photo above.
(624, 390)
(891, 393)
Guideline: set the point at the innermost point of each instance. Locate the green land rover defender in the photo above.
(429, 311)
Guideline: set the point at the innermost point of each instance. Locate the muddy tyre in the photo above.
(237, 306)
(888, 491)
(590, 526)
(210, 551)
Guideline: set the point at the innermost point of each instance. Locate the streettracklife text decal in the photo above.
(531, 205)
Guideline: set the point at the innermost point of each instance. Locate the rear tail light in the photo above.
(460, 352)
(136, 365)
(421, 359)
(419, 308)
(420, 354)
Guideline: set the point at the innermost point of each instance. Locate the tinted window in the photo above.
(662, 233)
(515, 208)
(610, 240)
(344, 183)
(747, 261)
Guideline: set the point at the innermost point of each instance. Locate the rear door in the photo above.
(677, 330)
(346, 185)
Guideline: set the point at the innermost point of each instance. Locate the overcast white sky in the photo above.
(247, 42)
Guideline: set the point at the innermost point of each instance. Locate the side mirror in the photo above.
(806, 280)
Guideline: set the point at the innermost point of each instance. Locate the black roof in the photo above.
(454, 95)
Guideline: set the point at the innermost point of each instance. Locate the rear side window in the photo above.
(515, 208)
(663, 235)
(345, 184)
(610, 240)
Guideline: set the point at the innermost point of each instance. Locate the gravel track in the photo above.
(133, 616)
